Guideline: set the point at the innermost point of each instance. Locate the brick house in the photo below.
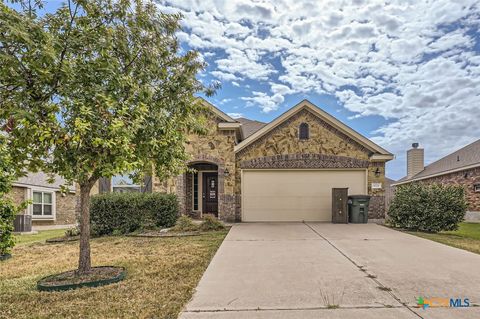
(284, 170)
(49, 205)
(461, 167)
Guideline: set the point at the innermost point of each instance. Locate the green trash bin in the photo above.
(358, 209)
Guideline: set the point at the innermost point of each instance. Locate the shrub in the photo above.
(185, 224)
(123, 213)
(7, 216)
(72, 232)
(211, 223)
(427, 207)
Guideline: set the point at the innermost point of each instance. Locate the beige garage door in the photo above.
(295, 195)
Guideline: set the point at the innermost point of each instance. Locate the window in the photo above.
(43, 204)
(195, 191)
(304, 134)
(476, 188)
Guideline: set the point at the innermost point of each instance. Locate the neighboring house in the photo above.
(281, 171)
(49, 205)
(122, 186)
(461, 167)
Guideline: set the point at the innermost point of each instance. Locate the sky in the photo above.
(398, 72)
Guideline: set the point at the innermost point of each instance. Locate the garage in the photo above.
(295, 195)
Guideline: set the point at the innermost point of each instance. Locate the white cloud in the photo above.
(224, 76)
(235, 115)
(226, 100)
(266, 102)
(415, 63)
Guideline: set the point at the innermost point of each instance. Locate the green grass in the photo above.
(466, 237)
(162, 274)
(41, 236)
(466, 230)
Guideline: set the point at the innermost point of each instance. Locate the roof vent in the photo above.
(415, 145)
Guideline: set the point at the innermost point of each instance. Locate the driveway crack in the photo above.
(361, 268)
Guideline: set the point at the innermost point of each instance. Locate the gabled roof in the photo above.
(217, 111)
(464, 158)
(305, 104)
(40, 179)
(250, 126)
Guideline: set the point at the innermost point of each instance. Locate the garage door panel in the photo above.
(295, 195)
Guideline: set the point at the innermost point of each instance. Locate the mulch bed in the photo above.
(99, 276)
(166, 234)
(62, 239)
(5, 257)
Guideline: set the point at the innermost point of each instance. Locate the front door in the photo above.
(210, 193)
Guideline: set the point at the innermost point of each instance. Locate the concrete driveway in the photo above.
(320, 270)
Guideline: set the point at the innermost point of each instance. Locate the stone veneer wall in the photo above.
(216, 147)
(376, 209)
(466, 178)
(326, 147)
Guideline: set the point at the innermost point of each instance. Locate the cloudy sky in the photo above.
(396, 71)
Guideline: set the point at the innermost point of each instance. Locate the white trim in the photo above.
(382, 157)
(320, 113)
(54, 203)
(198, 192)
(228, 126)
(438, 174)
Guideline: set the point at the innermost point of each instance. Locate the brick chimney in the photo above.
(415, 163)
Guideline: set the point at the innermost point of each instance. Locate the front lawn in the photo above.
(466, 237)
(162, 275)
(41, 236)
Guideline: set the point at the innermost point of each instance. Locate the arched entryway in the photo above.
(202, 187)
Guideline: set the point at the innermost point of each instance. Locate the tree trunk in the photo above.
(84, 262)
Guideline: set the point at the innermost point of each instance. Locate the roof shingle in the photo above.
(464, 157)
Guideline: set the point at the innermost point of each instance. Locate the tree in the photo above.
(98, 88)
(7, 208)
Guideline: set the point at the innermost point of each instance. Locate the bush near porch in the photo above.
(427, 207)
(122, 213)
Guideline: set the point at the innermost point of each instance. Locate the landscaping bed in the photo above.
(98, 276)
(5, 257)
(63, 239)
(159, 233)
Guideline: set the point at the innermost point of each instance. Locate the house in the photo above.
(461, 167)
(49, 206)
(284, 170)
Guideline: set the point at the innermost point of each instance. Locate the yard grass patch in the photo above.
(161, 276)
(466, 237)
(41, 236)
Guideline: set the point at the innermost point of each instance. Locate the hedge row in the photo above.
(427, 207)
(122, 213)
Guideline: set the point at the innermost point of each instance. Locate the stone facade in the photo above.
(65, 206)
(326, 147)
(467, 178)
(215, 147)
